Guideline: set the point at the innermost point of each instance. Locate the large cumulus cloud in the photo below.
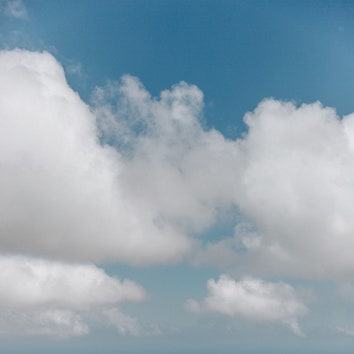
(133, 177)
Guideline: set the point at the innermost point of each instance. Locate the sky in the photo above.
(176, 177)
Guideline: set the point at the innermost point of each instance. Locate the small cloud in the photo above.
(41, 297)
(252, 299)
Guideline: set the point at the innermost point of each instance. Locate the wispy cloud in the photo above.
(14, 8)
(349, 331)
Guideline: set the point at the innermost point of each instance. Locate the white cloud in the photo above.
(297, 187)
(14, 8)
(252, 299)
(44, 297)
(63, 193)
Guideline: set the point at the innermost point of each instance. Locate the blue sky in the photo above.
(200, 149)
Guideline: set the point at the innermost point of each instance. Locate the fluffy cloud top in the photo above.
(252, 299)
